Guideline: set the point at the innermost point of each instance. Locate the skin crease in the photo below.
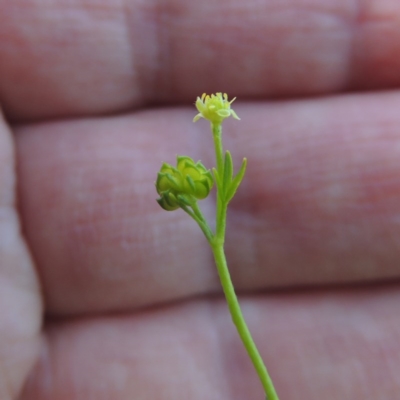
(104, 295)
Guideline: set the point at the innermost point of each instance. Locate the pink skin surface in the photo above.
(105, 296)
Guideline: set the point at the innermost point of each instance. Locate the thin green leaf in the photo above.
(228, 170)
(236, 182)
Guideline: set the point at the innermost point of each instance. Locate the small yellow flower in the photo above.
(215, 108)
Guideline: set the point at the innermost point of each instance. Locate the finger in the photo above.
(90, 58)
(20, 303)
(324, 345)
(318, 205)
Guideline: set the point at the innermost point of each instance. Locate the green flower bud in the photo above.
(197, 180)
(168, 201)
(183, 184)
(166, 178)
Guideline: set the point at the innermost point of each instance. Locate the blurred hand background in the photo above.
(104, 295)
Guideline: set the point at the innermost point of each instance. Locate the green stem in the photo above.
(219, 154)
(201, 221)
(217, 245)
(221, 206)
(239, 321)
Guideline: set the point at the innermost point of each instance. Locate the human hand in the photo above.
(131, 299)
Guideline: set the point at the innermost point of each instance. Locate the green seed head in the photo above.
(183, 184)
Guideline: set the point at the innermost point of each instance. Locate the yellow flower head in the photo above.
(215, 108)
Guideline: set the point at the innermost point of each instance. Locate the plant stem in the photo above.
(219, 154)
(239, 321)
(217, 246)
(202, 222)
(221, 205)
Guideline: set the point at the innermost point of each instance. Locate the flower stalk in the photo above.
(181, 187)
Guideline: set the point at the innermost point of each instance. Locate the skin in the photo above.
(104, 295)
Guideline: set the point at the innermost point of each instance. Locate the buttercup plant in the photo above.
(182, 186)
